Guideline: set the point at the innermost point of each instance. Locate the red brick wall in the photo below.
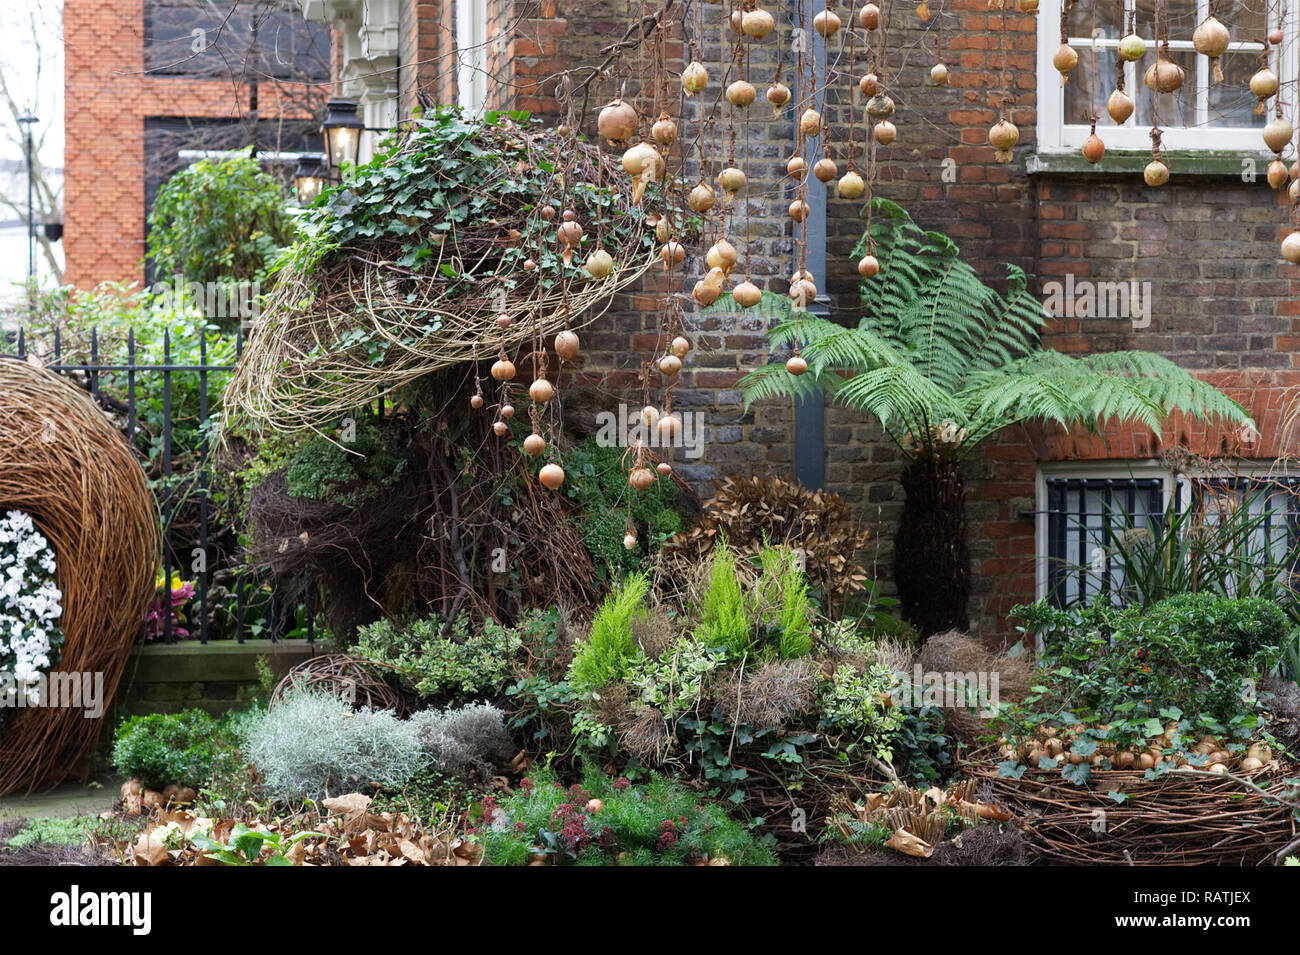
(107, 98)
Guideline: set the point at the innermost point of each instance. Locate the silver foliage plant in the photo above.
(313, 745)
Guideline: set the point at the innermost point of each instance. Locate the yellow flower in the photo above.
(161, 582)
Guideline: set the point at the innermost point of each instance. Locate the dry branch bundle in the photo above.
(67, 467)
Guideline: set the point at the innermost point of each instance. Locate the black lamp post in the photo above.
(27, 120)
(308, 178)
(342, 130)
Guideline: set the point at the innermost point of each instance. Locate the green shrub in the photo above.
(160, 748)
(783, 596)
(313, 745)
(53, 831)
(458, 664)
(1248, 624)
(658, 823)
(723, 622)
(351, 474)
(605, 655)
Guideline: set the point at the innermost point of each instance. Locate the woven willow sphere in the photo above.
(67, 467)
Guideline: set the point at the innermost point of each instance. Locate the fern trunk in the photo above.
(931, 556)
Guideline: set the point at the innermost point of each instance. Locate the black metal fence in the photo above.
(119, 374)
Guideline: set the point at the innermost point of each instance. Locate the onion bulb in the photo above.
(1093, 148)
(1211, 39)
(664, 468)
(796, 365)
(680, 346)
(600, 264)
(869, 16)
(701, 198)
(541, 391)
(643, 163)
(629, 543)
(1120, 107)
(722, 255)
(551, 475)
(1291, 248)
(880, 106)
(534, 444)
(825, 169)
(1294, 191)
(1132, 48)
(732, 180)
(1263, 84)
(1277, 133)
(670, 365)
(673, 253)
(741, 93)
(757, 24)
(827, 23)
(503, 370)
(500, 429)
(1156, 173)
(649, 415)
(664, 131)
(747, 294)
(569, 232)
(476, 402)
(670, 425)
(504, 321)
(507, 412)
(810, 123)
(1277, 174)
(1065, 59)
(868, 266)
(1275, 37)
(799, 210)
(778, 94)
(642, 479)
(796, 167)
(869, 84)
(705, 294)
(939, 75)
(694, 78)
(663, 229)
(803, 292)
(851, 185)
(1003, 135)
(566, 345)
(1164, 75)
(885, 132)
(618, 121)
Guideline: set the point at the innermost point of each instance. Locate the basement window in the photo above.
(471, 55)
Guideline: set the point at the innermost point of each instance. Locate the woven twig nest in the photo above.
(1181, 818)
(67, 467)
(344, 676)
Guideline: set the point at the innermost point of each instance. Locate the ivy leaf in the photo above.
(1077, 773)
(1011, 769)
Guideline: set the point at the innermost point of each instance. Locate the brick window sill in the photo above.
(1221, 163)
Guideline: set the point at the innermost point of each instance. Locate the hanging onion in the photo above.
(1277, 133)
(680, 346)
(643, 163)
(851, 185)
(778, 94)
(705, 294)
(796, 167)
(670, 426)
(1065, 59)
(757, 24)
(701, 198)
(541, 391)
(670, 365)
(1003, 135)
(534, 444)
(732, 180)
(741, 93)
(803, 292)
(869, 16)
(795, 365)
(747, 294)
(1264, 83)
(507, 412)
(1156, 173)
(664, 131)
(642, 479)
(566, 345)
(885, 132)
(1164, 75)
(722, 255)
(672, 253)
(664, 468)
(1120, 107)
(869, 84)
(1211, 39)
(694, 78)
(600, 264)
(1093, 148)
(551, 475)
(939, 75)
(827, 23)
(1277, 174)
(810, 123)
(799, 210)
(1291, 248)
(880, 106)
(500, 429)
(476, 402)
(868, 266)
(825, 169)
(1132, 48)
(618, 121)
(503, 370)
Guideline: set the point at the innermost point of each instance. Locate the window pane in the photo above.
(1107, 16)
(1177, 108)
(1083, 91)
(1180, 15)
(1245, 20)
(1088, 524)
(1231, 102)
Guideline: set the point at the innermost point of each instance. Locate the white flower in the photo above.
(30, 600)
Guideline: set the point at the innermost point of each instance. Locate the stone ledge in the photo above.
(1116, 162)
(222, 662)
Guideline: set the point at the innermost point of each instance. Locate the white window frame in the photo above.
(1060, 134)
(471, 55)
(1121, 471)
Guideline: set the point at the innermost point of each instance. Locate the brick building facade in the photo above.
(1223, 303)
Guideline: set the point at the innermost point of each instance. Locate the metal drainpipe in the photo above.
(810, 413)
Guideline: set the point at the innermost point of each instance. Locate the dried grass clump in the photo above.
(653, 632)
(644, 734)
(66, 466)
(772, 693)
(746, 511)
(954, 652)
